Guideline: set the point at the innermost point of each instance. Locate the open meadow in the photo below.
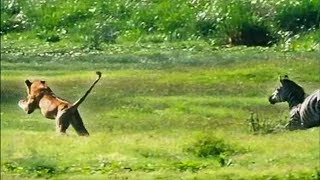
(161, 116)
(183, 94)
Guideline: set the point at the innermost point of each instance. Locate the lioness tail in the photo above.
(77, 103)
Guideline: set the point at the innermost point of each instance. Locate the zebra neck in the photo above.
(293, 105)
(293, 101)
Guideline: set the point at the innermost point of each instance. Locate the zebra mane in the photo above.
(297, 94)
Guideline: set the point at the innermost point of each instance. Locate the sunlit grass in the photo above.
(143, 120)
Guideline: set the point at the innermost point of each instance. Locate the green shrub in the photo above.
(259, 125)
(241, 25)
(144, 19)
(153, 38)
(101, 33)
(189, 166)
(211, 146)
(296, 15)
(176, 19)
(49, 36)
(35, 166)
(92, 23)
(12, 18)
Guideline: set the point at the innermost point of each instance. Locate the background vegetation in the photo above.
(90, 24)
(182, 93)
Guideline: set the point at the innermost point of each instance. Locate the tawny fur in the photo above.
(40, 96)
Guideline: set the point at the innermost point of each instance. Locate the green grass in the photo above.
(98, 23)
(176, 98)
(153, 113)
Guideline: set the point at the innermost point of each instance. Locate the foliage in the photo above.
(12, 17)
(209, 146)
(189, 166)
(93, 23)
(264, 126)
(298, 16)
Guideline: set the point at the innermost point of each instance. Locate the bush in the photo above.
(242, 25)
(35, 166)
(189, 166)
(297, 15)
(12, 18)
(210, 146)
(253, 35)
(49, 36)
(263, 126)
(235, 22)
(101, 33)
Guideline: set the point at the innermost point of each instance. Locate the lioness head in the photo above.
(35, 91)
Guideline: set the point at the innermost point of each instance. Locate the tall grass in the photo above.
(238, 22)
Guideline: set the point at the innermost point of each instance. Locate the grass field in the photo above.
(170, 115)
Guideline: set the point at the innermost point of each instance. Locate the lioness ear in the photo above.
(43, 82)
(286, 77)
(28, 83)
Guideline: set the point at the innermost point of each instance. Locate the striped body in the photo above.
(304, 112)
(309, 110)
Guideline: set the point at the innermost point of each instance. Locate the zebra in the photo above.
(304, 109)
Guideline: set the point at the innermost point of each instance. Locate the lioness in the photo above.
(40, 96)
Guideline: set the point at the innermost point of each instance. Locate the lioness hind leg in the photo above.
(77, 124)
(62, 122)
(63, 126)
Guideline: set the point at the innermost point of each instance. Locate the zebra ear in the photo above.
(283, 78)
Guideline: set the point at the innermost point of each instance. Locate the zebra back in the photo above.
(309, 110)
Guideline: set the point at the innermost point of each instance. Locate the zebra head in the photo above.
(288, 91)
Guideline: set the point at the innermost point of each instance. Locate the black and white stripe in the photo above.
(309, 110)
(304, 110)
